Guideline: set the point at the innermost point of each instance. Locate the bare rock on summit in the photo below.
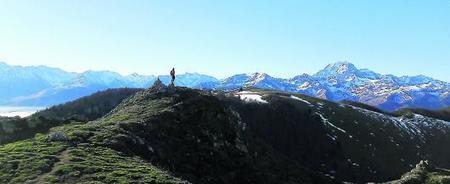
(158, 86)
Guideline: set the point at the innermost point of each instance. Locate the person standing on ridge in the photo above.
(172, 74)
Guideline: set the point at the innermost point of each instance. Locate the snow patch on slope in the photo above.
(325, 120)
(302, 100)
(413, 126)
(249, 96)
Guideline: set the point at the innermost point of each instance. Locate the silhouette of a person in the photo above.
(172, 74)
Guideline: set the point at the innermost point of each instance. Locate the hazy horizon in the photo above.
(212, 75)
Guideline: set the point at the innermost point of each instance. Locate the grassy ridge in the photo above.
(40, 160)
(25, 160)
(82, 110)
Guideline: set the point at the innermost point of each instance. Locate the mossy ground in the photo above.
(39, 160)
(88, 163)
(25, 160)
(428, 176)
(438, 177)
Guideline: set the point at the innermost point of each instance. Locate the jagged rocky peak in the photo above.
(301, 77)
(338, 68)
(158, 86)
(343, 66)
(258, 76)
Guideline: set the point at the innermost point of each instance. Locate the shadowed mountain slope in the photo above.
(251, 136)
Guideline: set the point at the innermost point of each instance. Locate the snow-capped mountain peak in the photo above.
(337, 81)
(338, 68)
(343, 81)
(42, 86)
(256, 78)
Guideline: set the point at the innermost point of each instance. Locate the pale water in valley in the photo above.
(18, 111)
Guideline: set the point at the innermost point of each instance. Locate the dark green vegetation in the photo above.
(424, 173)
(364, 106)
(443, 114)
(82, 110)
(175, 135)
(348, 142)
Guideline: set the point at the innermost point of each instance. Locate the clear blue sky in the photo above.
(283, 38)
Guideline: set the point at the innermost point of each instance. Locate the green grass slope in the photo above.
(41, 160)
(81, 110)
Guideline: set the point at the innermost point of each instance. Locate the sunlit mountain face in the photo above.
(343, 81)
(45, 86)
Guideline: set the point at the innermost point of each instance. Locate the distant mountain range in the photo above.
(45, 86)
(343, 81)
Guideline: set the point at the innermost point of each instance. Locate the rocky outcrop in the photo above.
(424, 173)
